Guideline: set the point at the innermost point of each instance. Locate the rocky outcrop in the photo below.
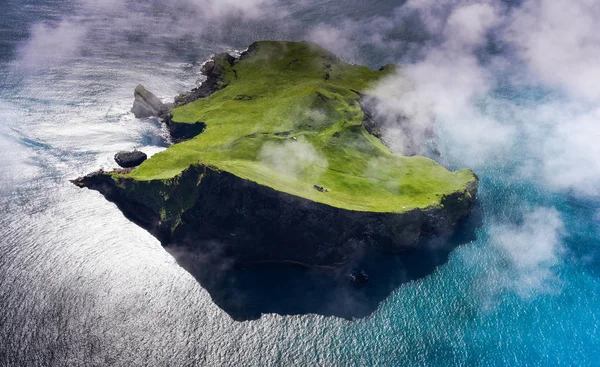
(214, 71)
(252, 223)
(146, 104)
(130, 159)
(372, 125)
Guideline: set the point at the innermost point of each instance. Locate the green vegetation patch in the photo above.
(289, 119)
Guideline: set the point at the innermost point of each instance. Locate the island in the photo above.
(277, 159)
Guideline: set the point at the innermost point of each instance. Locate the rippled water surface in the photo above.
(81, 285)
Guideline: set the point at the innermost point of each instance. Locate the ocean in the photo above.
(81, 285)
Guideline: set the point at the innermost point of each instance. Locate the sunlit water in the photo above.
(80, 284)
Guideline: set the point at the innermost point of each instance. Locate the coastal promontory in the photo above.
(273, 161)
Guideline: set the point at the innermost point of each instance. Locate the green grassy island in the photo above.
(282, 131)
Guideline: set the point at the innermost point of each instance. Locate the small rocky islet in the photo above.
(276, 159)
(130, 159)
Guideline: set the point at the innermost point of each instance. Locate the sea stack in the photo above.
(130, 159)
(146, 104)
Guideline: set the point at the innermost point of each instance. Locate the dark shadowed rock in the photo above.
(146, 104)
(180, 132)
(216, 205)
(213, 70)
(130, 159)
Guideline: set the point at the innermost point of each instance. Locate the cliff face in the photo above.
(251, 223)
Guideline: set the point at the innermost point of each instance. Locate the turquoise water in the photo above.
(81, 285)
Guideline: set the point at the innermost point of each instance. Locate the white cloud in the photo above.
(334, 39)
(559, 42)
(16, 164)
(571, 153)
(221, 8)
(531, 250)
(398, 35)
(468, 25)
(293, 157)
(543, 122)
(203, 8)
(118, 24)
(443, 89)
(52, 44)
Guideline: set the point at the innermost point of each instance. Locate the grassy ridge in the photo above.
(289, 119)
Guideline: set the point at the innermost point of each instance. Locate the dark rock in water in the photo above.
(130, 159)
(146, 104)
(358, 277)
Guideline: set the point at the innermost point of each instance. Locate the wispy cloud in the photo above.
(443, 86)
(122, 26)
(531, 250)
(559, 44)
(293, 158)
(51, 44)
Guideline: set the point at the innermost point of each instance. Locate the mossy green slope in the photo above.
(289, 119)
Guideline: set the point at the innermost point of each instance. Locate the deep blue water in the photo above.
(81, 285)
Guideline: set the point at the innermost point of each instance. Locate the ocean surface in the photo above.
(81, 285)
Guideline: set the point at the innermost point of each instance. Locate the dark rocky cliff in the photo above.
(206, 209)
